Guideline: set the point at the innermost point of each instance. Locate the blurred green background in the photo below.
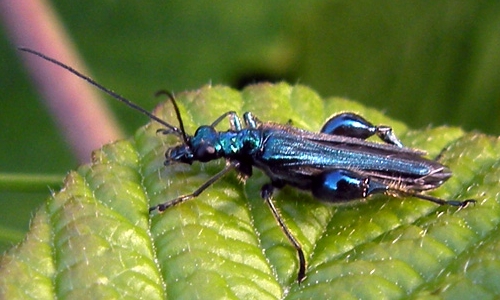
(423, 62)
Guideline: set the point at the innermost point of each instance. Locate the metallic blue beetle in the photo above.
(335, 165)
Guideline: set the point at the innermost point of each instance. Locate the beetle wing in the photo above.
(290, 154)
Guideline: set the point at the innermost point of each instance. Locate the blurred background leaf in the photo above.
(421, 62)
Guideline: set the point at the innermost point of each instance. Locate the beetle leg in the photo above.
(353, 125)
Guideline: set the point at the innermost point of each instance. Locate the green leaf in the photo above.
(96, 239)
(437, 66)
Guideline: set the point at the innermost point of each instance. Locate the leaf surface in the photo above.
(96, 239)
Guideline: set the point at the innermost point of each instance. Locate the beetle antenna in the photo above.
(177, 113)
(173, 129)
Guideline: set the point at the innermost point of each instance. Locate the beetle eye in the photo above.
(206, 153)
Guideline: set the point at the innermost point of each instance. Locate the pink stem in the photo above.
(83, 118)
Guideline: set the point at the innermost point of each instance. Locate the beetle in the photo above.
(336, 164)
